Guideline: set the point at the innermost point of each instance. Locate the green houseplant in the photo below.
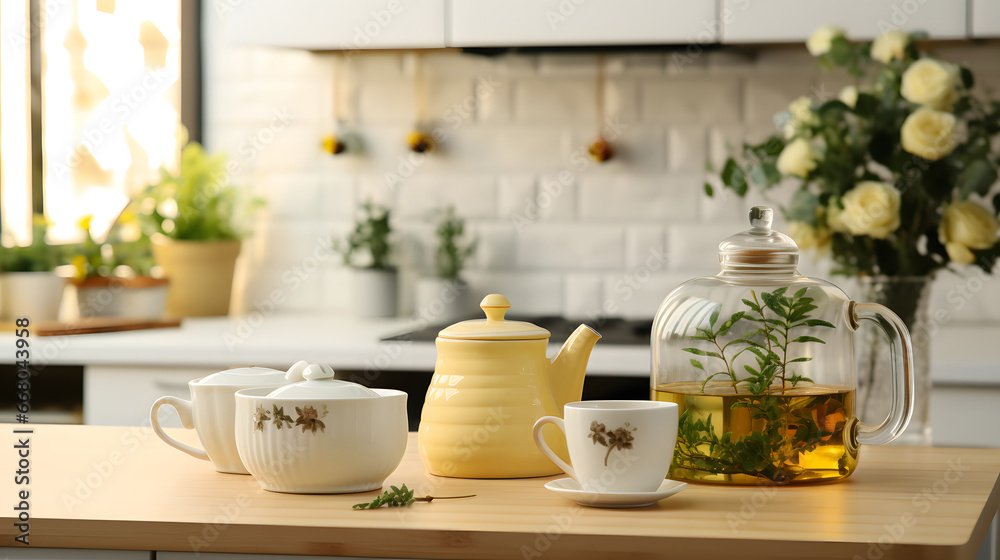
(197, 220)
(895, 178)
(443, 297)
(367, 250)
(29, 287)
(112, 275)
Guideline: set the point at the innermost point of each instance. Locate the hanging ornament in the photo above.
(343, 139)
(419, 140)
(600, 149)
(334, 145)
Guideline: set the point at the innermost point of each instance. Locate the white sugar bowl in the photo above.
(320, 435)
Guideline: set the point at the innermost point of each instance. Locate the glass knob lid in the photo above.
(760, 248)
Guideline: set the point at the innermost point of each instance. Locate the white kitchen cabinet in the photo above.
(337, 24)
(28, 553)
(123, 395)
(984, 18)
(770, 21)
(965, 416)
(516, 23)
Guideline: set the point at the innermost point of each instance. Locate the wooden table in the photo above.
(122, 488)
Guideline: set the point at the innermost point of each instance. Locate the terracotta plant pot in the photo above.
(35, 295)
(141, 297)
(201, 275)
(373, 292)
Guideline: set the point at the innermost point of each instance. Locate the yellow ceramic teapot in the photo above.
(492, 381)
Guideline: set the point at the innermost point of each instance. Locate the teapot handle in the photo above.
(901, 356)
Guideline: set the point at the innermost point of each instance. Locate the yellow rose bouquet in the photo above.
(896, 174)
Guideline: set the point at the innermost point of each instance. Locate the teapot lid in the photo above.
(759, 248)
(248, 376)
(316, 381)
(494, 327)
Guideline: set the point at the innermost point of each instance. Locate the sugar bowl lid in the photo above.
(316, 381)
(759, 247)
(245, 376)
(494, 327)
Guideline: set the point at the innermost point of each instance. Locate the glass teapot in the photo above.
(761, 362)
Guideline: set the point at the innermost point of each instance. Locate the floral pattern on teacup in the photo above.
(619, 438)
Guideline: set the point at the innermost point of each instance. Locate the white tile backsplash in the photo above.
(564, 100)
(557, 233)
(571, 247)
(694, 100)
(628, 198)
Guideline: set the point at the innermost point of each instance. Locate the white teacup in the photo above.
(615, 446)
(212, 413)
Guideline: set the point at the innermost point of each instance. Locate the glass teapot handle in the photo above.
(901, 356)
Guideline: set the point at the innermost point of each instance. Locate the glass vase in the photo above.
(908, 297)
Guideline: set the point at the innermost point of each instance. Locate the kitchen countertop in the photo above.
(962, 355)
(122, 488)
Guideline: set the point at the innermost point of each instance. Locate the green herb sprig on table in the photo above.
(402, 497)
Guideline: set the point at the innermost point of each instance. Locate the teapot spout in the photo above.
(569, 367)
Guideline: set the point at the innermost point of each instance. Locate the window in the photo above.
(90, 99)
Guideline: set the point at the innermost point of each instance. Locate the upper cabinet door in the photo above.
(339, 24)
(985, 18)
(526, 23)
(769, 21)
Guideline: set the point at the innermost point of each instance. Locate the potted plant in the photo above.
(444, 296)
(894, 180)
(29, 287)
(196, 220)
(367, 251)
(112, 277)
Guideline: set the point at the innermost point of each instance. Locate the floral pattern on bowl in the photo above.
(308, 418)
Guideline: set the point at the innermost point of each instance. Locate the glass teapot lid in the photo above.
(759, 249)
(494, 327)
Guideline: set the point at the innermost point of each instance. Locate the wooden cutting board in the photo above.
(102, 325)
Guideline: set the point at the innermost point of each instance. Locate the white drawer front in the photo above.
(965, 416)
(123, 395)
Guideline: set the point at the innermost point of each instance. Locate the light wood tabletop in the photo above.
(122, 488)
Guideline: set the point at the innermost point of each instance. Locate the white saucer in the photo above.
(571, 489)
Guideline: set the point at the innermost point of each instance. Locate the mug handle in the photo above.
(183, 409)
(540, 442)
(901, 356)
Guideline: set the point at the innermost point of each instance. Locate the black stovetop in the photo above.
(613, 331)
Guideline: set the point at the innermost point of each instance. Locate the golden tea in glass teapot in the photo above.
(760, 361)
